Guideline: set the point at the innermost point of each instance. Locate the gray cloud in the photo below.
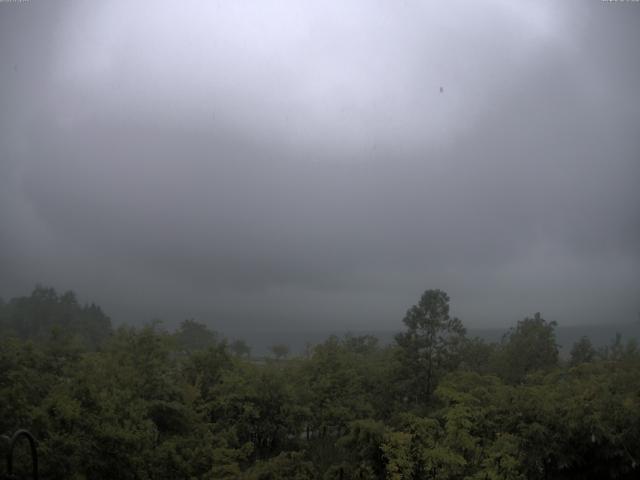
(289, 164)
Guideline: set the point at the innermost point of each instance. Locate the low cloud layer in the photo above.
(309, 165)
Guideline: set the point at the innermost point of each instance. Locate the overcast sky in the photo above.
(313, 165)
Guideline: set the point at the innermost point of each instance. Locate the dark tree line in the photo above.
(144, 403)
(45, 313)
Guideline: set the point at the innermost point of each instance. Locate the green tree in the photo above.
(289, 465)
(582, 352)
(529, 347)
(192, 335)
(44, 312)
(363, 443)
(477, 355)
(334, 389)
(361, 344)
(431, 345)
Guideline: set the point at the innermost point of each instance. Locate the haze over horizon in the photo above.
(318, 165)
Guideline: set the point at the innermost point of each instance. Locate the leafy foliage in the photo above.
(148, 404)
(528, 347)
(431, 345)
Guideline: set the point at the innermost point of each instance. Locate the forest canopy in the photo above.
(147, 403)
